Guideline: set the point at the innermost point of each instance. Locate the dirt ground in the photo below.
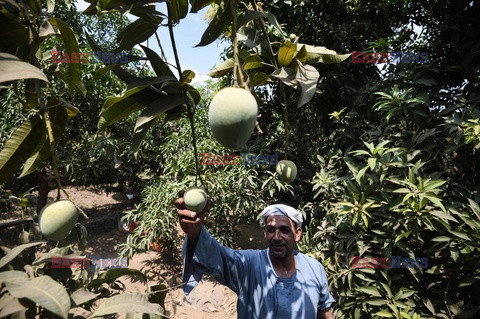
(208, 300)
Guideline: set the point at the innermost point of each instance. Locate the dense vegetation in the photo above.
(387, 152)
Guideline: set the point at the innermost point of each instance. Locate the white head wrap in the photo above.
(281, 209)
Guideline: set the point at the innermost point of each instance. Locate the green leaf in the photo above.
(376, 302)
(402, 235)
(475, 208)
(45, 292)
(248, 16)
(135, 33)
(194, 94)
(10, 305)
(101, 72)
(252, 62)
(113, 274)
(158, 65)
(144, 82)
(286, 53)
(73, 73)
(139, 134)
(321, 54)
(17, 250)
(273, 21)
(255, 41)
(222, 68)
(199, 4)
(222, 18)
(12, 69)
(119, 107)
(441, 239)
(127, 303)
(384, 314)
(307, 76)
(160, 106)
(178, 10)
(81, 296)
(372, 291)
(432, 185)
(59, 115)
(468, 281)
(12, 275)
(260, 78)
(19, 147)
(436, 201)
(287, 76)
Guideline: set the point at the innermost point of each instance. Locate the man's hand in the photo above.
(325, 314)
(190, 222)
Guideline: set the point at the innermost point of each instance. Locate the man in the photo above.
(277, 282)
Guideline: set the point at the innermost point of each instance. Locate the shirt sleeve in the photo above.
(224, 263)
(326, 300)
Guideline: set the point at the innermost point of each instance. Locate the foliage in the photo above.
(40, 281)
(392, 198)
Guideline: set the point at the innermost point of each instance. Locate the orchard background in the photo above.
(387, 153)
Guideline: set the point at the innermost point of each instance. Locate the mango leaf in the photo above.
(249, 16)
(286, 53)
(101, 72)
(273, 21)
(160, 106)
(199, 4)
(384, 314)
(260, 78)
(139, 134)
(307, 77)
(17, 250)
(12, 69)
(127, 303)
(321, 54)
(73, 73)
(10, 305)
(144, 82)
(255, 41)
(59, 115)
(136, 32)
(113, 274)
(193, 92)
(45, 292)
(178, 10)
(222, 18)
(468, 281)
(81, 296)
(222, 68)
(372, 291)
(12, 275)
(19, 147)
(116, 108)
(252, 62)
(158, 65)
(287, 76)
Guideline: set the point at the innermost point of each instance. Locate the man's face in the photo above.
(281, 236)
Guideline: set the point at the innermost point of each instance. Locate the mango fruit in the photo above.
(232, 116)
(195, 199)
(287, 170)
(57, 219)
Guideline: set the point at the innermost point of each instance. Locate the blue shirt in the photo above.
(250, 274)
